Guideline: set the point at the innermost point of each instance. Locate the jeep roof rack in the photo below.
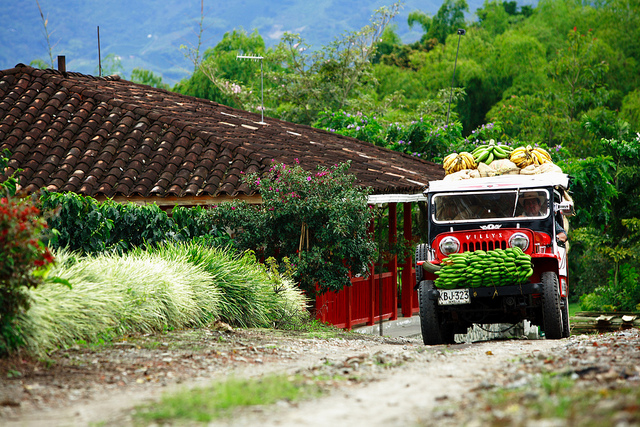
(501, 182)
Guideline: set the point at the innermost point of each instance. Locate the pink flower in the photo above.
(308, 178)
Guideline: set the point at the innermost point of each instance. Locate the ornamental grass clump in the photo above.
(250, 296)
(117, 294)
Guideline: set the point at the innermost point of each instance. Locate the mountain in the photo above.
(148, 33)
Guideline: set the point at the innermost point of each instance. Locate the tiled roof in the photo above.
(108, 137)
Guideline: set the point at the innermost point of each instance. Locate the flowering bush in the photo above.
(22, 255)
(319, 220)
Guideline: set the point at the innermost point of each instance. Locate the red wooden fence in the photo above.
(359, 304)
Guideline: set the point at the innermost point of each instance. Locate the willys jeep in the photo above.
(482, 217)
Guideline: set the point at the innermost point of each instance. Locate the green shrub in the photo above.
(83, 224)
(622, 292)
(319, 220)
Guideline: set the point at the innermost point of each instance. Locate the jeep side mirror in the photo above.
(565, 208)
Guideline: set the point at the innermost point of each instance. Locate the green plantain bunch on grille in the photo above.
(497, 267)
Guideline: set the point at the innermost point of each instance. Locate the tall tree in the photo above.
(448, 19)
(329, 77)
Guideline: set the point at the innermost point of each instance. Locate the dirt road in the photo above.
(391, 381)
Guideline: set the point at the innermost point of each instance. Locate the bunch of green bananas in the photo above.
(455, 162)
(525, 156)
(497, 267)
(487, 153)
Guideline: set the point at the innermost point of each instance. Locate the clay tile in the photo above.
(32, 188)
(210, 189)
(191, 190)
(72, 183)
(105, 189)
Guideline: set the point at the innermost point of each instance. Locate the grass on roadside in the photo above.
(221, 399)
(560, 397)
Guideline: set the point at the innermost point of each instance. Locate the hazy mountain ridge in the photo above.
(148, 34)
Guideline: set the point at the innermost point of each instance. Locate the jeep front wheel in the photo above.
(433, 330)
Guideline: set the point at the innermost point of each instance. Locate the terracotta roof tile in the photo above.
(110, 137)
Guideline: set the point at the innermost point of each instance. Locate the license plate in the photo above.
(454, 296)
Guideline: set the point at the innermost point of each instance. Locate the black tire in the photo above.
(566, 327)
(422, 252)
(433, 331)
(551, 311)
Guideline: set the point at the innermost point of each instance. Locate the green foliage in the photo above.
(621, 294)
(448, 19)
(593, 188)
(9, 184)
(420, 138)
(630, 110)
(356, 125)
(197, 224)
(83, 224)
(146, 77)
(318, 220)
(24, 260)
(327, 78)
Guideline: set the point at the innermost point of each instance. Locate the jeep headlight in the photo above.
(449, 245)
(520, 240)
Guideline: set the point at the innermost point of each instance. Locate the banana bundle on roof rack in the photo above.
(487, 153)
(456, 162)
(525, 156)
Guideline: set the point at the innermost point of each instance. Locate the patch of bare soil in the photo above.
(389, 381)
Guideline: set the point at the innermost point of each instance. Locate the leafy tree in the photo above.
(319, 220)
(221, 77)
(448, 19)
(496, 16)
(313, 81)
(423, 19)
(630, 110)
(146, 77)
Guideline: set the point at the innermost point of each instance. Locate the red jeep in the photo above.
(488, 216)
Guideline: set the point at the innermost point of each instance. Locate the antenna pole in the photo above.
(461, 32)
(99, 58)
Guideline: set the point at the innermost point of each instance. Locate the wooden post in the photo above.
(347, 301)
(393, 264)
(408, 278)
(371, 281)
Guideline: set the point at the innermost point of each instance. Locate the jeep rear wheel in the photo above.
(433, 330)
(551, 310)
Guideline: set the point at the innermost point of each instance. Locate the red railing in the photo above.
(359, 303)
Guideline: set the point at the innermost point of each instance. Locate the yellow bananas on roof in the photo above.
(455, 162)
(525, 156)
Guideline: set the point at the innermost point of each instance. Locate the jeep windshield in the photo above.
(516, 204)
